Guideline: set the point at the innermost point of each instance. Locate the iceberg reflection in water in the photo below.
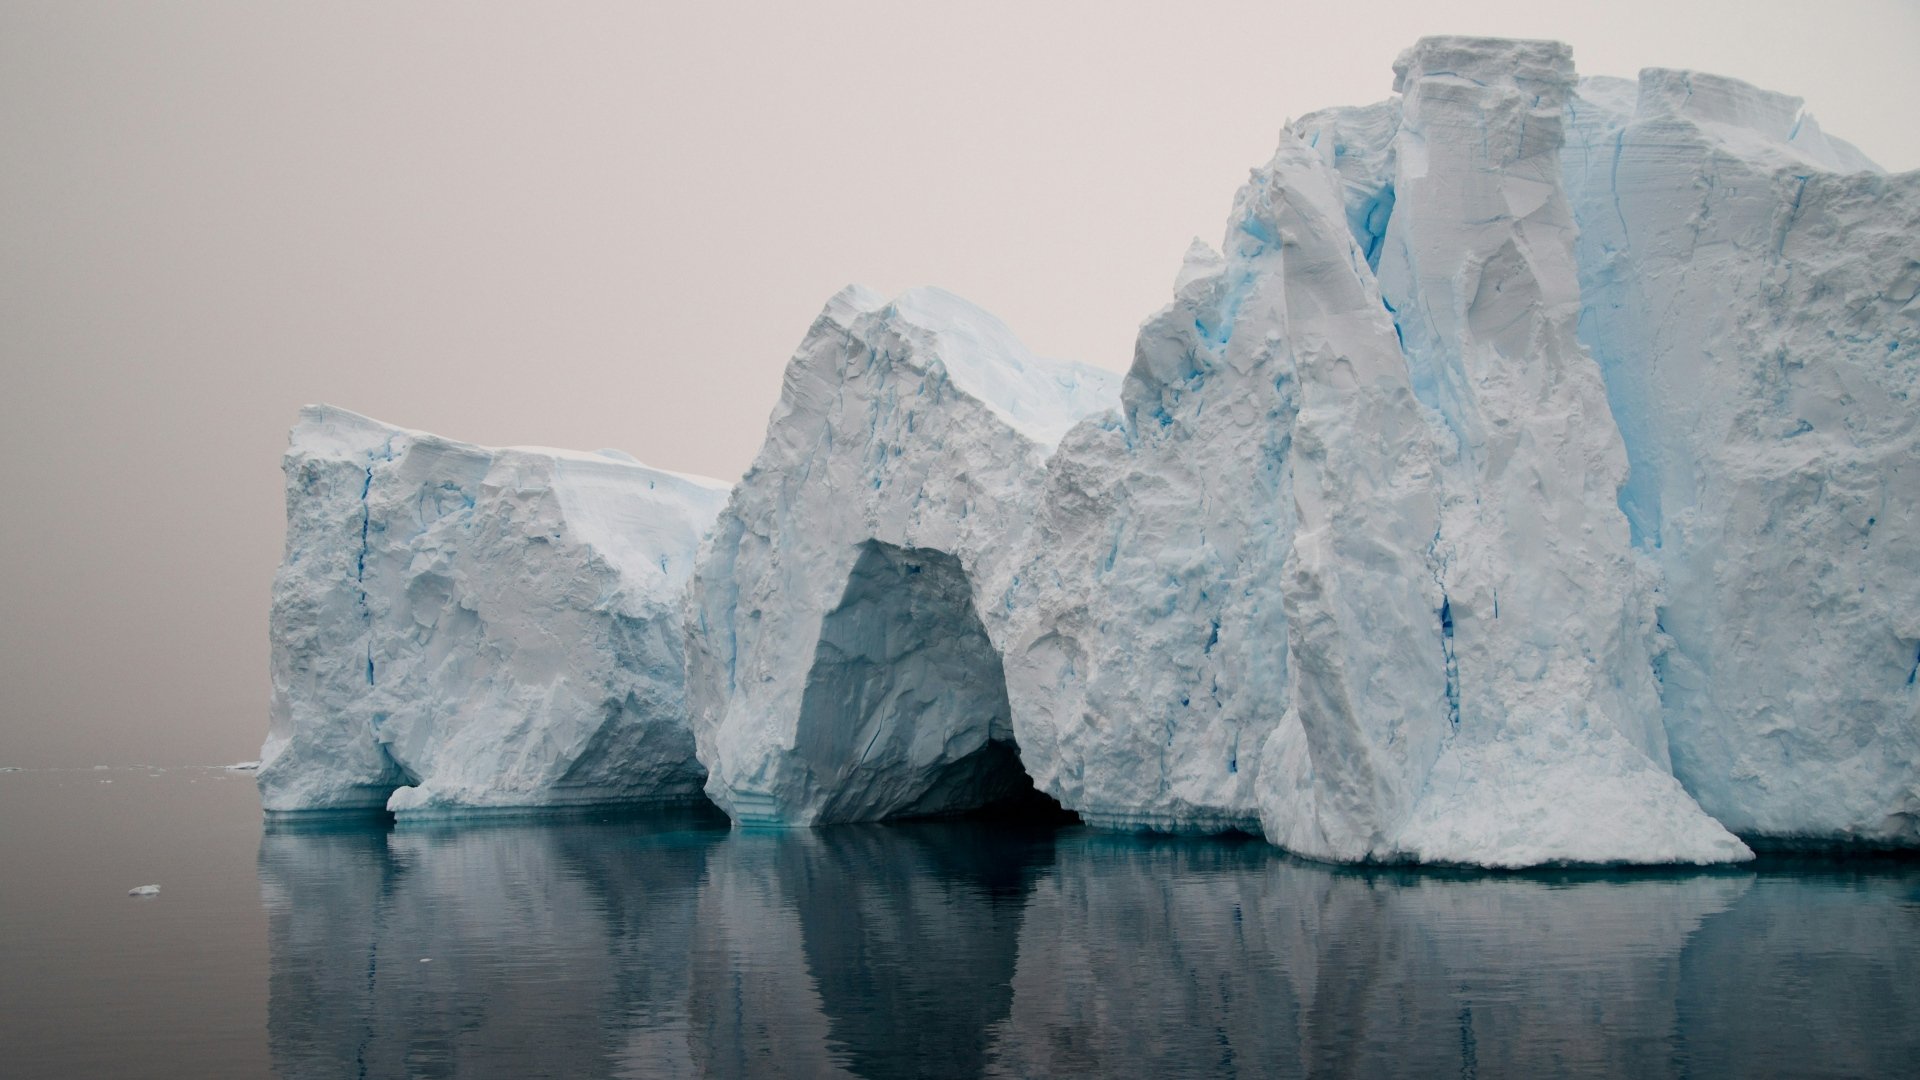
(681, 948)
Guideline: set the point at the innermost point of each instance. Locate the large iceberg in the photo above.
(847, 620)
(1531, 476)
(460, 628)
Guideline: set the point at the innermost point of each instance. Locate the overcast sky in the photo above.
(591, 225)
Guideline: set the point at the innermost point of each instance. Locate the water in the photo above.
(664, 948)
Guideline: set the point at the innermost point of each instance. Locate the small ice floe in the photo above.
(144, 890)
(10, 768)
(242, 766)
(426, 959)
(106, 781)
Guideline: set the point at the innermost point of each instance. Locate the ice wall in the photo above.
(1749, 290)
(459, 628)
(1201, 546)
(1547, 617)
(1348, 568)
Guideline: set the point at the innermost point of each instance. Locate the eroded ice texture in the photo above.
(1348, 568)
(844, 654)
(1749, 289)
(459, 628)
(1153, 661)
(1547, 615)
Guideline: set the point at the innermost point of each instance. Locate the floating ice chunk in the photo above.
(144, 890)
(242, 766)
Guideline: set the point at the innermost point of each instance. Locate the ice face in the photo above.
(1547, 615)
(1183, 540)
(1348, 567)
(459, 628)
(1748, 289)
(844, 636)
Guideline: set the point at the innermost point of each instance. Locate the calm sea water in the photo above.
(667, 948)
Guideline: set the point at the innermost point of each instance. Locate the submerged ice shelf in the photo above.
(1530, 477)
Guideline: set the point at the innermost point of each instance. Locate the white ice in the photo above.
(1531, 476)
(458, 628)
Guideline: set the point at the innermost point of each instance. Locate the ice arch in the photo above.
(905, 709)
(909, 433)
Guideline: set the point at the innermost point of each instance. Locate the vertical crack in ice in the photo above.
(1793, 214)
(1613, 182)
(1451, 662)
(1373, 221)
(360, 567)
(366, 521)
(360, 562)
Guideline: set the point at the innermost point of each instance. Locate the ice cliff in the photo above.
(1529, 477)
(458, 628)
(1349, 564)
(1749, 288)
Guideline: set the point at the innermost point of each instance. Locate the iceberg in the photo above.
(847, 618)
(457, 628)
(1531, 476)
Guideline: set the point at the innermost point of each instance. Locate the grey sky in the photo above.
(591, 225)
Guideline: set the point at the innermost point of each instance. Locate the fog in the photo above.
(601, 225)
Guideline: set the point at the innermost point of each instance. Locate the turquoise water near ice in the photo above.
(665, 947)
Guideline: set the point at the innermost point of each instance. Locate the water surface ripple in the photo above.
(963, 949)
(677, 947)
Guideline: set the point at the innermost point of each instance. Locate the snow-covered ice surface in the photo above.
(846, 622)
(1749, 288)
(459, 628)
